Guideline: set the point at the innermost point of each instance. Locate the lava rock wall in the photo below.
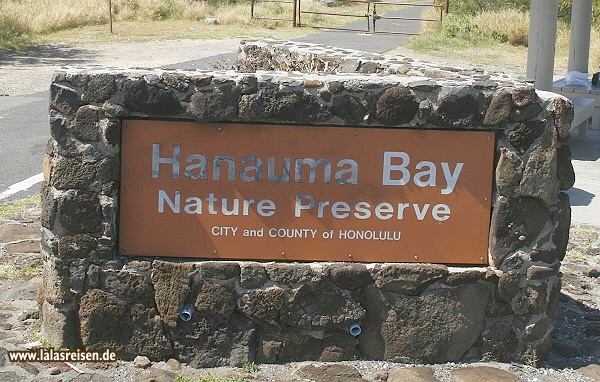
(269, 312)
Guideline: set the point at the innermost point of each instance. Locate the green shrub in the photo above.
(564, 11)
(14, 33)
(472, 7)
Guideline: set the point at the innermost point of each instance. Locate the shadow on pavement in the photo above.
(51, 54)
(579, 197)
(588, 150)
(575, 339)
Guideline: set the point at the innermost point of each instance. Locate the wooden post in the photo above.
(579, 41)
(110, 16)
(542, 43)
(295, 10)
(447, 6)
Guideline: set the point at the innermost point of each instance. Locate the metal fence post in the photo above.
(110, 16)
(295, 10)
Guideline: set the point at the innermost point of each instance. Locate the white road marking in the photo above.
(22, 186)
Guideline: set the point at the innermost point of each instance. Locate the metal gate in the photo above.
(368, 16)
(293, 12)
(393, 19)
(376, 20)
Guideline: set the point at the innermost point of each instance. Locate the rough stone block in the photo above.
(457, 108)
(321, 305)
(509, 172)
(268, 105)
(288, 274)
(215, 299)
(499, 110)
(350, 275)
(99, 89)
(221, 104)
(85, 124)
(60, 325)
(220, 270)
(482, 373)
(537, 330)
(537, 272)
(464, 277)
(330, 373)
(563, 113)
(397, 106)
(64, 99)
(55, 286)
(339, 347)
(449, 322)
(515, 224)
(409, 278)
(71, 173)
(523, 136)
(49, 206)
(540, 173)
(146, 98)
(524, 96)
(253, 275)
(264, 307)
(526, 113)
(499, 341)
(172, 285)
(349, 108)
(80, 211)
(208, 341)
(108, 321)
(564, 171)
(538, 298)
(508, 286)
(128, 286)
(413, 374)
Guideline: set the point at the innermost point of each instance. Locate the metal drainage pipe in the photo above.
(355, 329)
(186, 314)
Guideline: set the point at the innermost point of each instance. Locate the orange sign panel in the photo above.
(271, 192)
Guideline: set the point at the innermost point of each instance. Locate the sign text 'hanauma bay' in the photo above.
(305, 193)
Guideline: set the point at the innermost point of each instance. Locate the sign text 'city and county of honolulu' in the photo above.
(273, 192)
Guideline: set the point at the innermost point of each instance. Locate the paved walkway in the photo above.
(372, 43)
(585, 194)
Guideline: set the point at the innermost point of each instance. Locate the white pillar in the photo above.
(542, 42)
(579, 42)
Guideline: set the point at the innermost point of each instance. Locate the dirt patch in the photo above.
(30, 71)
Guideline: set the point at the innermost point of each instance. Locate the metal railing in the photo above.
(294, 11)
(370, 15)
(367, 15)
(378, 17)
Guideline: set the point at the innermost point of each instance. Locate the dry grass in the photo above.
(16, 209)
(10, 271)
(29, 21)
(508, 25)
(497, 38)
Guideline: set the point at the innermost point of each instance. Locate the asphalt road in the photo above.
(24, 132)
(585, 194)
(24, 128)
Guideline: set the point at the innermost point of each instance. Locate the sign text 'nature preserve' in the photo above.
(261, 192)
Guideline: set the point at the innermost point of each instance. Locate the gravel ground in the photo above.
(30, 71)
